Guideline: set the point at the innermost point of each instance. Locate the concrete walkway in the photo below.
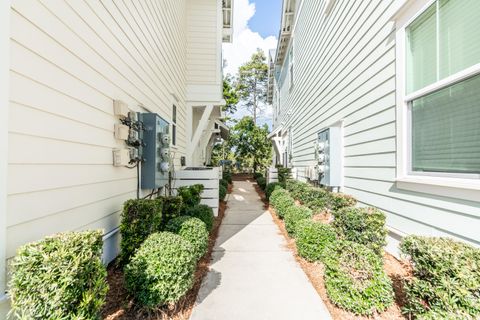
(253, 275)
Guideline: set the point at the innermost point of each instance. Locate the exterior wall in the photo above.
(345, 69)
(204, 33)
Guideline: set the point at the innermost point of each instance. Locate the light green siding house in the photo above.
(401, 79)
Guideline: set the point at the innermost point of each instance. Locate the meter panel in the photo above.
(156, 151)
(330, 157)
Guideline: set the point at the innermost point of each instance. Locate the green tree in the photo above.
(250, 144)
(230, 95)
(253, 83)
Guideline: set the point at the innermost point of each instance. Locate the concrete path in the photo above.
(253, 276)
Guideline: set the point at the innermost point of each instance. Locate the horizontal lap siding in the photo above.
(345, 69)
(69, 61)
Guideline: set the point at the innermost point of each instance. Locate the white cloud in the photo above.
(245, 41)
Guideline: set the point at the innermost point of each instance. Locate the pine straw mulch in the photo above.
(396, 270)
(120, 306)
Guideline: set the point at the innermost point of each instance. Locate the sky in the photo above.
(256, 24)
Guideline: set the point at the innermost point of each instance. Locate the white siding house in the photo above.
(400, 78)
(62, 65)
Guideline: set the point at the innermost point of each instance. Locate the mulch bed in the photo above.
(396, 270)
(120, 306)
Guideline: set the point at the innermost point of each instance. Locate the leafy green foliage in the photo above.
(312, 238)
(283, 174)
(272, 187)
(362, 225)
(253, 83)
(227, 175)
(204, 213)
(281, 201)
(446, 278)
(257, 175)
(161, 271)
(224, 183)
(355, 279)
(193, 230)
(222, 192)
(338, 201)
(293, 215)
(139, 219)
(191, 195)
(262, 183)
(172, 207)
(230, 95)
(316, 199)
(59, 277)
(296, 188)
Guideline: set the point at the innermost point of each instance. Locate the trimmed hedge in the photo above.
(362, 225)
(257, 175)
(222, 192)
(281, 201)
(297, 188)
(59, 277)
(227, 175)
(204, 213)
(191, 195)
(293, 215)
(172, 208)
(312, 239)
(446, 278)
(338, 201)
(224, 183)
(355, 279)
(161, 271)
(262, 183)
(193, 230)
(283, 174)
(272, 187)
(139, 219)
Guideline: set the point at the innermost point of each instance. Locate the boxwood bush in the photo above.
(191, 195)
(227, 175)
(312, 239)
(338, 201)
(446, 278)
(222, 192)
(172, 207)
(262, 182)
(296, 188)
(59, 277)
(355, 279)
(224, 183)
(161, 271)
(272, 187)
(281, 200)
(139, 219)
(257, 175)
(193, 230)
(362, 225)
(316, 199)
(204, 213)
(293, 215)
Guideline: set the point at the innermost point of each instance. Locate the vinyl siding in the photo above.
(69, 61)
(345, 69)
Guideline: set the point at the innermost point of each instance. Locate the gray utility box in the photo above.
(156, 152)
(330, 157)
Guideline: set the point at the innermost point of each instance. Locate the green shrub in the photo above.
(338, 201)
(316, 199)
(172, 208)
(312, 239)
(355, 279)
(193, 230)
(362, 225)
(446, 278)
(161, 271)
(283, 174)
(224, 183)
(227, 175)
(222, 192)
(293, 215)
(262, 183)
(59, 277)
(139, 219)
(281, 200)
(257, 175)
(296, 188)
(272, 187)
(204, 213)
(191, 195)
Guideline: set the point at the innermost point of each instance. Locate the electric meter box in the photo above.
(156, 151)
(329, 157)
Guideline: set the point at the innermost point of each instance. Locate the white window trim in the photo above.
(449, 185)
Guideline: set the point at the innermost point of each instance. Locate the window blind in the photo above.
(446, 129)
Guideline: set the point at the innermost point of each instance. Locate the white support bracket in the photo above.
(202, 125)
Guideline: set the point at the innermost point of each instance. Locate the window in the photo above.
(174, 125)
(441, 96)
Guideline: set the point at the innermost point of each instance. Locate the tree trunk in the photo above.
(255, 101)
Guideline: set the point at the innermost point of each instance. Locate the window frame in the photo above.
(465, 186)
(173, 140)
